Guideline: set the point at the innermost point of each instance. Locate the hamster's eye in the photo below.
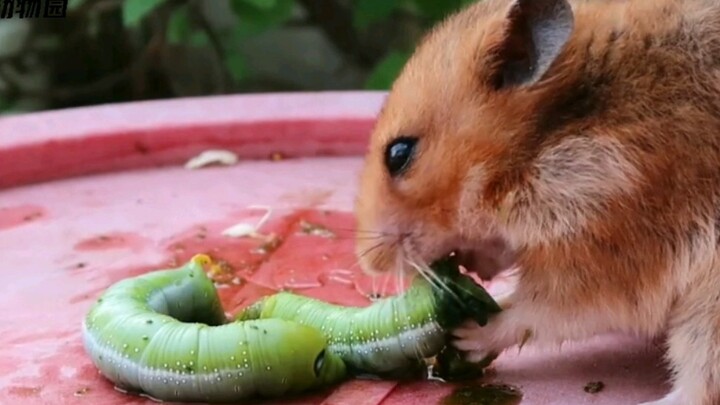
(399, 154)
(319, 363)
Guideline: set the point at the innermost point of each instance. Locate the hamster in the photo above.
(577, 142)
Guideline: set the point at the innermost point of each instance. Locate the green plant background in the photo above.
(126, 50)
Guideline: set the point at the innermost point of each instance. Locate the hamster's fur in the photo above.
(579, 142)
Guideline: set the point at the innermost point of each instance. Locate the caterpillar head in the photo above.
(201, 260)
(304, 352)
(328, 367)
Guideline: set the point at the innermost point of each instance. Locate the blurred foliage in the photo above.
(124, 50)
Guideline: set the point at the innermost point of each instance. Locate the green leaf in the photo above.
(385, 72)
(73, 4)
(256, 16)
(367, 12)
(235, 64)
(179, 26)
(5, 104)
(199, 39)
(133, 11)
(180, 29)
(263, 4)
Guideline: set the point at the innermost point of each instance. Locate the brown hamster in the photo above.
(578, 142)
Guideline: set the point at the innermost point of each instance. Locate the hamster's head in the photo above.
(475, 149)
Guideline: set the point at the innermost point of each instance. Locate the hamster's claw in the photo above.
(475, 342)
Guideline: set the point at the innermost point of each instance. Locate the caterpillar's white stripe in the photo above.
(165, 334)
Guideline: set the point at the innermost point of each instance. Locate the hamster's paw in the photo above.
(479, 343)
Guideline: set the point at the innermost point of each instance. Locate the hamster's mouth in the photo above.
(487, 258)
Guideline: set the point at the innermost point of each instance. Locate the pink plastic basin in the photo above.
(92, 195)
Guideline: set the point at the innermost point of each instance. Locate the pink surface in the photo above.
(63, 242)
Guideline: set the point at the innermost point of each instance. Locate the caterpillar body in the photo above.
(393, 333)
(165, 334)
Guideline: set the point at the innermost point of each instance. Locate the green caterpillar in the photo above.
(393, 333)
(165, 334)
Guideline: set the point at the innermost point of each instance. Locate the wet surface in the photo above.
(484, 394)
(13, 216)
(109, 227)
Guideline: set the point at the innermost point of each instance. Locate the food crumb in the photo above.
(82, 391)
(212, 158)
(241, 230)
(594, 387)
(271, 243)
(277, 156)
(308, 228)
(222, 272)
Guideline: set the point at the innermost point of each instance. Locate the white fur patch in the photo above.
(572, 182)
(696, 257)
(471, 220)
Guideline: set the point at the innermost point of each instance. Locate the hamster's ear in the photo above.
(535, 32)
